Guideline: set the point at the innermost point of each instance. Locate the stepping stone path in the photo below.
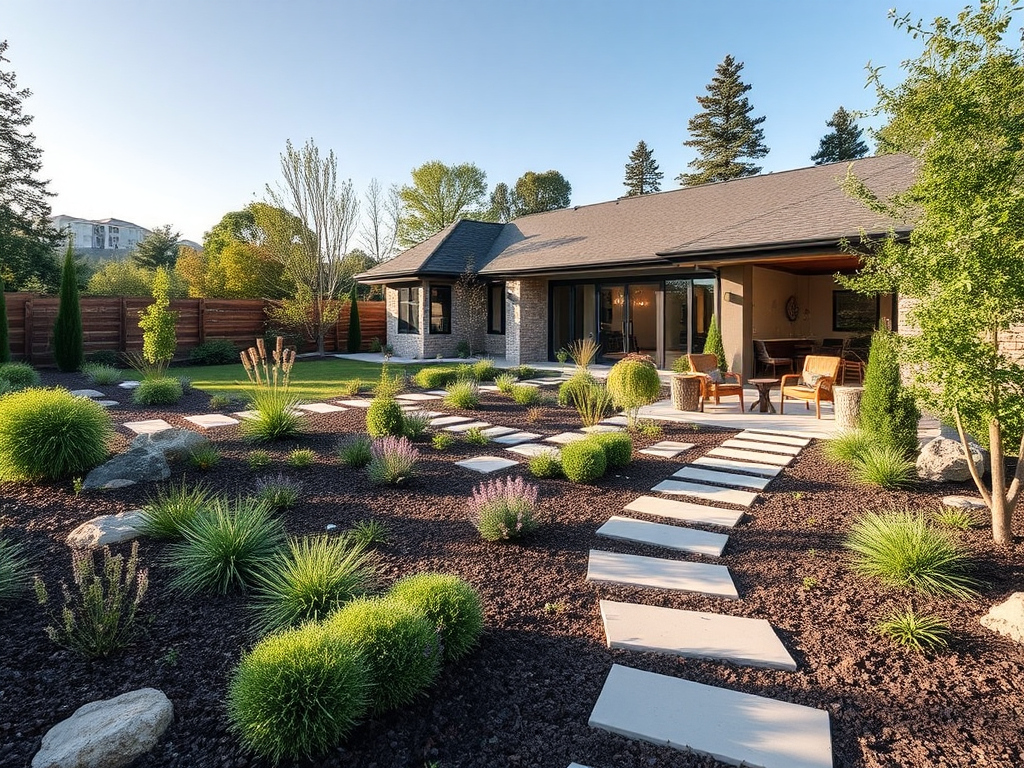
(707, 492)
(735, 728)
(354, 403)
(684, 511)
(106, 403)
(765, 470)
(658, 573)
(442, 421)
(246, 414)
(562, 438)
(515, 438)
(437, 392)
(602, 428)
(211, 420)
(750, 445)
(147, 427)
(668, 536)
(486, 464)
(129, 384)
(493, 432)
(466, 426)
(666, 449)
(752, 456)
(321, 408)
(414, 396)
(731, 479)
(533, 449)
(693, 634)
(769, 437)
(90, 393)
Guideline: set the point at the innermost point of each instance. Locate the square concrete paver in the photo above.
(661, 535)
(497, 431)
(566, 437)
(756, 457)
(732, 727)
(533, 449)
(467, 425)
(129, 384)
(488, 388)
(442, 421)
(90, 393)
(764, 470)
(706, 492)
(752, 445)
(516, 437)
(769, 437)
(666, 449)
(617, 421)
(487, 464)
(246, 414)
(437, 392)
(147, 427)
(684, 511)
(210, 420)
(602, 428)
(106, 403)
(321, 408)
(693, 634)
(355, 403)
(731, 479)
(418, 397)
(659, 573)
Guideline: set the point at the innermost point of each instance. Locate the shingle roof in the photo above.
(800, 206)
(445, 253)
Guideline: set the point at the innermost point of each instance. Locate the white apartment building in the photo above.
(102, 234)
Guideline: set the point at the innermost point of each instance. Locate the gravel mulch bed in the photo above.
(524, 696)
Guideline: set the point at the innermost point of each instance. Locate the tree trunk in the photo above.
(1002, 523)
(847, 406)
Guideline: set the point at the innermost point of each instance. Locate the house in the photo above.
(101, 237)
(646, 273)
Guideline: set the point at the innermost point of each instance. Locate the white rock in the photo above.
(106, 529)
(1007, 618)
(964, 502)
(943, 460)
(108, 733)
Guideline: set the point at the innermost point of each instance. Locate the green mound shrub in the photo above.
(570, 389)
(633, 383)
(161, 391)
(435, 376)
(214, 352)
(19, 375)
(385, 417)
(450, 604)
(584, 461)
(887, 409)
(546, 464)
(484, 370)
(525, 394)
(618, 447)
(297, 694)
(398, 644)
(50, 434)
(504, 382)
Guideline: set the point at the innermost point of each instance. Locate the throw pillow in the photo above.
(714, 376)
(811, 379)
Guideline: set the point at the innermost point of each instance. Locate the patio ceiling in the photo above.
(804, 264)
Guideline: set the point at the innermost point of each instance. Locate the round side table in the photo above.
(764, 388)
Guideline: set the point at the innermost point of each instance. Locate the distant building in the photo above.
(101, 235)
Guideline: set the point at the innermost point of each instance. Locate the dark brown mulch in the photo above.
(523, 698)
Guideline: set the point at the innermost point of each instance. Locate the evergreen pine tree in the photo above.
(713, 344)
(843, 143)
(887, 409)
(724, 133)
(642, 174)
(355, 334)
(68, 350)
(5, 341)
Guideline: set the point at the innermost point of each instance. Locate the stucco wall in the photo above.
(734, 317)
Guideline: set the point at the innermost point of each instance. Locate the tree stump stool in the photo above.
(686, 392)
(847, 406)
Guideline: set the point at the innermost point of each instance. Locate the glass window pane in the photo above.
(441, 309)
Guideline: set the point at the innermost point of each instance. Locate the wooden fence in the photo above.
(112, 323)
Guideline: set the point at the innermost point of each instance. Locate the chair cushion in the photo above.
(714, 376)
(810, 379)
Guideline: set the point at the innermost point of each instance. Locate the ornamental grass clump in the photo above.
(504, 509)
(98, 616)
(356, 452)
(886, 466)
(435, 376)
(204, 457)
(297, 694)
(276, 416)
(633, 383)
(278, 491)
(593, 403)
(19, 375)
(504, 382)
(525, 394)
(300, 458)
(392, 460)
(451, 604)
(584, 461)
(172, 508)
(921, 632)
(847, 447)
(464, 394)
(48, 434)
(416, 424)
(900, 549)
(315, 576)
(484, 370)
(398, 644)
(157, 391)
(101, 375)
(14, 570)
(568, 389)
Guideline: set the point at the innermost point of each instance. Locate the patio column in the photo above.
(735, 286)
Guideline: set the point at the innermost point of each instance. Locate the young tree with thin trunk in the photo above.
(68, 339)
(355, 334)
(642, 173)
(5, 339)
(843, 143)
(380, 233)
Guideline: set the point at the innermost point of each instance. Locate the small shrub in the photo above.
(370, 533)
(301, 458)
(522, 372)
(647, 428)
(157, 322)
(504, 509)
(186, 383)
(297, 694)
(313, 578)
(399, 646)
(161, 391)
(847, 447)
(276, 415)
(618, 447)
(19, 375)
(389, 386)
(385, 417)
(98, 616)
(484, 370)
(533, 415)
(593, 403)
(885, 466)
(14, 570)
(546, 464)
(257, 459)
(463, 349)
(100, 375)
(219, 402)
(463, 394)
(416, 424)
(375, 345)
(887, 409)
(504, 382)
(442, 441)
(579, 381)
(562, 356)
(50, 434)
(681, 364)
(584, 461)
(356, 452)
(954, 517)
(393, 459)
(225, 546)
(435, 376)
(910, 629)
(350, 388)
(278, 491)
(474, 436)
(172, 508)
(204, 457)
(214, 352)
(713, 344)
(525, 394)
(900, 549)
(633, 382)
(450, 604)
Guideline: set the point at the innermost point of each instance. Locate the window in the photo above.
(496, 308)
(854, 311)
(408, 310)
(441, 309)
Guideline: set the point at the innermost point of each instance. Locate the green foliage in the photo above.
(277, 417)
(954, 517)
(910, 629)
(724, 133)
(633, 383)
(435, 376)
(172, 508)
(370, 533)
(301, 458)
(618, 447)
(546, 464)
(14, 569)
(213, 352)
(225, 547)
(484, 370)
(713, 344)
(5, 338)
(887, 410)
(900, 549)
(313, 578)
(884, 466)
(538, 192)
(584, 461)
(297, 694)
(104, 357)
(593, 403)
(416, 424)
(204, 457)
(450, 604)
(123, 278)
(398, 643)
(583, 352)
(562, 356)
(278, 491)
(504, 382)
(648, 428)
(389, 386)
(68, 339)
(19, 375)
(157, 391)
(681, 364)
(442, 441)
(349, 388)
(220, 402)
(393, 459)
(385, 417)
(355, 334)
(438, 196)
(525, 394)
(504, 509)
(579, 381)
(157, 250)
(642, 173)
(847, 447)
(50, 434)
(843, 142)
(98, 616)
(257, 459)
(101, 375)
(356, 452)
(462, 394)
(157, 323)
(474, 436)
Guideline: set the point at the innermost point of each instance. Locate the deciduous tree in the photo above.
(539, 192)
(380, 232)
(642, 173)
(438, 196)
(843, 142)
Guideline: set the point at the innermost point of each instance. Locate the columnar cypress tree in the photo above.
(887, 409)
(843, 143)
(68, 348)
(5, 342)
(642, 173)
(724, 133)
(713, 344)
(355, 334)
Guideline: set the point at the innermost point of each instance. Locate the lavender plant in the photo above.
(504, 509)
(393, 459)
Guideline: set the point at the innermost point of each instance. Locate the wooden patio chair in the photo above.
(815, 383)
(766, 360)
(731, 383)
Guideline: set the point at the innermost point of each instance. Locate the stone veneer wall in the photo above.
(467, 325)
(526, 320)
(1011, 341)
(403, 344)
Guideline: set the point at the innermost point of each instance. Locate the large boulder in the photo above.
(172, 443)
(1007, 617)
(942, 460)
(108, 733)
(136, 465)
(105, 530)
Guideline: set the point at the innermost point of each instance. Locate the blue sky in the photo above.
(177, 112)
